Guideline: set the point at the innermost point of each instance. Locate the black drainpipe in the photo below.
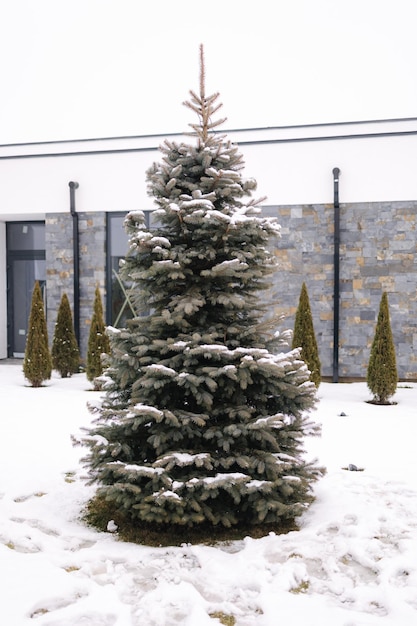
(76, 255)
(336, 288)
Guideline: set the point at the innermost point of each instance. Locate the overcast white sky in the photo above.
(100, 68)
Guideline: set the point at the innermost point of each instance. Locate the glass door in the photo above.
(25, 265)
(23, 274)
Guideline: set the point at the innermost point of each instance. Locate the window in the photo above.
(118, 305)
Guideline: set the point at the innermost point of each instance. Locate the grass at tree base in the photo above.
(99, 512)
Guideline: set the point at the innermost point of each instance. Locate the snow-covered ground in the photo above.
(353, 563)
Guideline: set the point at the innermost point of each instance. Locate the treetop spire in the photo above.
(202, 73)
(205, 107)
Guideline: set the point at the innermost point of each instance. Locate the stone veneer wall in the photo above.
(378, 252)
(60, 266)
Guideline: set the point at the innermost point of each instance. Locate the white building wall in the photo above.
(372, 170)
(35, 186)
(292, 166)
(378, 162)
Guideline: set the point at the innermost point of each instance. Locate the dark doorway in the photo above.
(25, 265)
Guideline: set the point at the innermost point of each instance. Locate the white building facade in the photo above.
(62, 206)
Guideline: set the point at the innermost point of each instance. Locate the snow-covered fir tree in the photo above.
(203, 418)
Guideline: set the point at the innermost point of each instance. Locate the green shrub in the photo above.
(305, 338)
(98, 342)
(37, 365)
(65, 352)
(382, 376)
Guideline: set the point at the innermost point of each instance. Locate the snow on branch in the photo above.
(140, 470)
(226, 267)
(166, 494)
(270, 421)
(160, 241)
(198, 203)
(183, 459)
(220, 480)
(148, 411)
(161, 369)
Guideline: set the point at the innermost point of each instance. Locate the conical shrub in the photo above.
(305, 338)
(382, 376)
(37, 365)
(98, 342)
(65, 352)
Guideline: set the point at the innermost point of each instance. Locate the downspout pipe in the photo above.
(336, 283)
(76, 259)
